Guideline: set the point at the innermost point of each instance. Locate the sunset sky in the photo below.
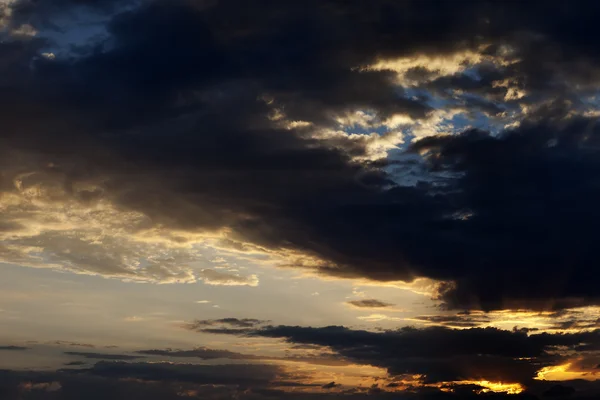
(299, 199)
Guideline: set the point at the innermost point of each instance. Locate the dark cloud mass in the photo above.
(440, 354)
(233, 374)
(222, 115)
(33, 385)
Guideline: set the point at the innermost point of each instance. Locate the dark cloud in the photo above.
(525, 189)
(224, 116)
(559, 391)
(441, 354)
(224, 325)
(102, 356)
(577, 324)
(200, 352)
(38, 385)
(229, 322)
(369, 303)
(74, 344)
(232, 374)
(13, 348)
(16, 385)
(204, 353)
(185, 115)
(459, 320)
(75, 363)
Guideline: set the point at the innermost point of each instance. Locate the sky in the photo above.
(300, 199)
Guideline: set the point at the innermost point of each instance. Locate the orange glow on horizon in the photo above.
(495, 387)
(563, 372)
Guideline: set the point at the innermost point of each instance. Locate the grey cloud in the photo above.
(231, 322)
(13, 348)
(205, 353)
(75, 363)
(102, 356)
(369, 303)
(73, 344)
(200, 352)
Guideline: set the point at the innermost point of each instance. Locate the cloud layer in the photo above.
(440, 355)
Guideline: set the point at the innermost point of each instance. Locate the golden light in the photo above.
(562, 372)
(496, 387)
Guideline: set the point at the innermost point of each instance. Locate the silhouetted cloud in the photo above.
(75, 363)
(459, 320)
(201, 352)
(13, 348)
(232, 374)
(441, 354)
(369, 303)
(74, 344)
(64, 385)
(231, 322)
(204, 353)
(102, 356)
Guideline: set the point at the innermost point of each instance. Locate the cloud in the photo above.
(68, 343)
(231, 322)
(204, 353)
(513, 161)
(232, 374)
(75, 363)
(455, 321)
(224, 325)
(212, 277)
(121, 381)
(277, 129)
(13, 348)
(369, 303)
(559, 391)
(378, 317)
(200, 352)
(439, 354)
(102, 356)
(120, 384)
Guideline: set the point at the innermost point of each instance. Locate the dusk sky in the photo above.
(299, 199)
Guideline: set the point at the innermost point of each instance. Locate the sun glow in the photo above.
(563, 372)
(496, 387)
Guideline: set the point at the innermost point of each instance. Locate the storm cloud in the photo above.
(285, 129)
